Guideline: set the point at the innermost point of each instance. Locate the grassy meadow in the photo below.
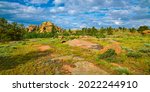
(25, 57)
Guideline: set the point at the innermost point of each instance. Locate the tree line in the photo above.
(14, 31)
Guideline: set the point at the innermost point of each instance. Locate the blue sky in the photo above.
(76, 14)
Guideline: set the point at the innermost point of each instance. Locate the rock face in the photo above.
(84, 44)
(46, 27)
(32, 28)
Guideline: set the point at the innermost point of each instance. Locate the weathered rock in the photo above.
(48, 27)
(44, 27)
(146, 32)
(84, 68)
(31, 28)
(84, 44)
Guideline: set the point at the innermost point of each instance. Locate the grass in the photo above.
(24, 57)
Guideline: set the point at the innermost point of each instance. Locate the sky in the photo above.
(76, 14)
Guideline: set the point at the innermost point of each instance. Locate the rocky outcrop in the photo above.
(48, 27)
(44, 27)
(32, 28)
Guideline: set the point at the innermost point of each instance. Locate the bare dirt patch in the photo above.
(44, 48)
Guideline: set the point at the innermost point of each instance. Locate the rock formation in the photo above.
(48, 27)
(44, 27)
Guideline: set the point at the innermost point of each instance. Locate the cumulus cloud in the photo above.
(79, 13)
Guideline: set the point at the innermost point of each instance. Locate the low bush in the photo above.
(110, 56)
(107, 54)
(145, 50)
(134, 54)
(122, 70)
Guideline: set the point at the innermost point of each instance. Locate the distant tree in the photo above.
(142, 28)
(11, 31)
(132, 30)
(54, 32)
(110, 31)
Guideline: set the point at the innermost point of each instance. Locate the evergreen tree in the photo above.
(142, 28)
(110, 31)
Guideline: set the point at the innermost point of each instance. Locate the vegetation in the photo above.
(18, 56)
(11, 31)
(122, 70)
(134, 54)
(109, 53)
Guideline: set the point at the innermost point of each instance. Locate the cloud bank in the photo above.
(78, 13)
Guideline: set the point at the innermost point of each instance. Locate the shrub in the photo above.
(110, 56)
(134, 54)
(122, 70)
(142, 28)
(145, 50)
(147, 44)
(107, 54)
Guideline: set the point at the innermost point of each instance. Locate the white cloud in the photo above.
(37, 1)
(57, 10)
(57, 2)
(71, 12)
(118, 22)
